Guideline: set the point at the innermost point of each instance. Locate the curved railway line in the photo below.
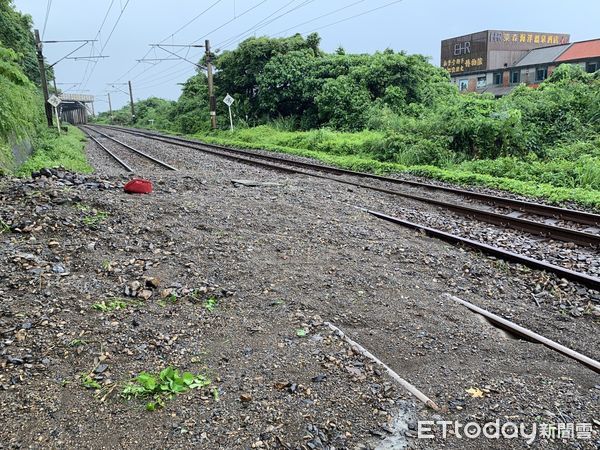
(587, 235)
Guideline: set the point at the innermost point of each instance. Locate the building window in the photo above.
(481, 82)
(591, 67)
(515, 77)
(541, 74)
(463, 85)
(498, 78)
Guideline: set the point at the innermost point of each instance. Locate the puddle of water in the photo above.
(406, 414)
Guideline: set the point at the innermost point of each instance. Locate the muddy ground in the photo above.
(234, 283)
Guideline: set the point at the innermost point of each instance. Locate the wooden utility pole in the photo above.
(109, 106)
(211, 94)
(131, 101)
(42, 67)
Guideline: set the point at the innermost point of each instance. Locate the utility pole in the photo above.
(211, 94)
(131, 101)
(109, 106)
(42, 67)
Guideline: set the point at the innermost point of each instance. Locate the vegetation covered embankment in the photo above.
(22, 104)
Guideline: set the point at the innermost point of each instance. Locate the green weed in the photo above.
(172, 299)
(301, 332)
(210, 304)
(164, 386)
(4, 227)
(110, 306)
(94, 217)
(77, 343)
(89, 383)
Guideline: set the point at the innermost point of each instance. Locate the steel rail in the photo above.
(587, 280)
(139, 152)
(520, 331)
(582, 217)
(115, 157)
(529, 226)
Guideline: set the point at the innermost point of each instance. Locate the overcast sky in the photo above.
(416, 26)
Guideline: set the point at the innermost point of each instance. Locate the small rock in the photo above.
(145, 294)
(245, 398)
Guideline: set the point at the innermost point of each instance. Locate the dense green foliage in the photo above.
(21, 102)
(15, 33)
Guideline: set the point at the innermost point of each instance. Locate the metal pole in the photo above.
(42, 67)
(131, 101)
(57, 119)
(230, 118)
(211, 94)
(109, 106)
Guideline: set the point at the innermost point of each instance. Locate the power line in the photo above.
(107, 39)
(231, 20)
(192, 20)
(353, 17)
(87, 67)
(227, 41)
(170, 36)
(115, 26)
(199, 39)
(319, 17)
(48, 7)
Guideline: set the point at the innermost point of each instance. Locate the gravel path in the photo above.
(280, 260)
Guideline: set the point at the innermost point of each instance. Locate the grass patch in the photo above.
(52, 150)
(162, 386)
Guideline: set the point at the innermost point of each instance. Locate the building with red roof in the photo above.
(507, 63)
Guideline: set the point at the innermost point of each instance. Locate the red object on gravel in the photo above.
(138, 186)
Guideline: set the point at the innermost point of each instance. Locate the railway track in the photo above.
(512, 219)
(126, 166)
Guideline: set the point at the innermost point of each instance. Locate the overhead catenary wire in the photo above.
(257, 26)
(252, 8)
(105, 43)
(48, 8)
(87, 67)
(171, 35)
(319, 17)
(353, 17)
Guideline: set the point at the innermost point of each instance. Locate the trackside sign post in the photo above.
(228, 100)
(55, 101)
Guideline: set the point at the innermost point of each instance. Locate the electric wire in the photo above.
(170, 36)
(254, 27)
(319, 17)
(353, 17)
(221, 26)
(48, 7)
